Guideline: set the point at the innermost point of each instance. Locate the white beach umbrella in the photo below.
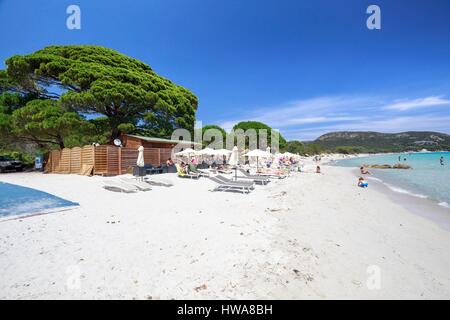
(234, 160)
(187, 152)
(234, 157)
(258, 154)
(140, 159)
(207, 152)
(222, 152)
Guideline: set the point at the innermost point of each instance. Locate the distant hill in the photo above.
(385, 142)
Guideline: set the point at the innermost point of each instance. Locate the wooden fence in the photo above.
(102, 160)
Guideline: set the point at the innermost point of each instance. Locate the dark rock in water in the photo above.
(388, 166)
(380, 166)
(401, 166)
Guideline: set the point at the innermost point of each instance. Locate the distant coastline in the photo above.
(378, 142)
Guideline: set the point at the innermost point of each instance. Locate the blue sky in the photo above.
(304, 67)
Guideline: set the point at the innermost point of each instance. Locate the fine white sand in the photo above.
(307, 236)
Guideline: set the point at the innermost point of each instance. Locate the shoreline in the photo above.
(424, 207)
(307, 236)
(411, 199)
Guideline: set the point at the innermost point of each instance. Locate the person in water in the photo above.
(362, 183)
(441, 160)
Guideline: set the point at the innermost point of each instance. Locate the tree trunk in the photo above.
(60, 142)
(115, 134)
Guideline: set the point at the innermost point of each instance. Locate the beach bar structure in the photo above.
(109, 160)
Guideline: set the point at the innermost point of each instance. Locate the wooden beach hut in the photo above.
(111, 160)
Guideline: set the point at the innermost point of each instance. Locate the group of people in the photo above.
(362, 183)
(282, 162)
(185, 167)
(285, 161)
(192, 164)
(288, 161)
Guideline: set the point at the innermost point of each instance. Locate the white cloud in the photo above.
(308, 111)
(295, 121)
(405, 105)
(307, 119)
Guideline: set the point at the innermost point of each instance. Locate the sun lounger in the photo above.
(158, 181)
(195, 170)
(203, 173)
(272, 175)
(228, 186)
(143, 186)
(118, 186)
(225, 171)
(182, 174)
(256, 178)
(251, 184)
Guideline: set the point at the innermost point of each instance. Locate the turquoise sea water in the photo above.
(16, 201)
(427, 178)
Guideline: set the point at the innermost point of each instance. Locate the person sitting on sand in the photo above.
(318, 169)
(362, 183)
(364, 170)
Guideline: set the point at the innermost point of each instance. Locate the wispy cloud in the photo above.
(417, 103)
(308, 111)
(309, 118)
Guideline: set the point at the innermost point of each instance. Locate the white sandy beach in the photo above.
(307, 236)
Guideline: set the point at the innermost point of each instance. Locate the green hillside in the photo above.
(385, 142)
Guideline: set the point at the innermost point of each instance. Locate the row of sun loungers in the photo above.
(244, 183)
